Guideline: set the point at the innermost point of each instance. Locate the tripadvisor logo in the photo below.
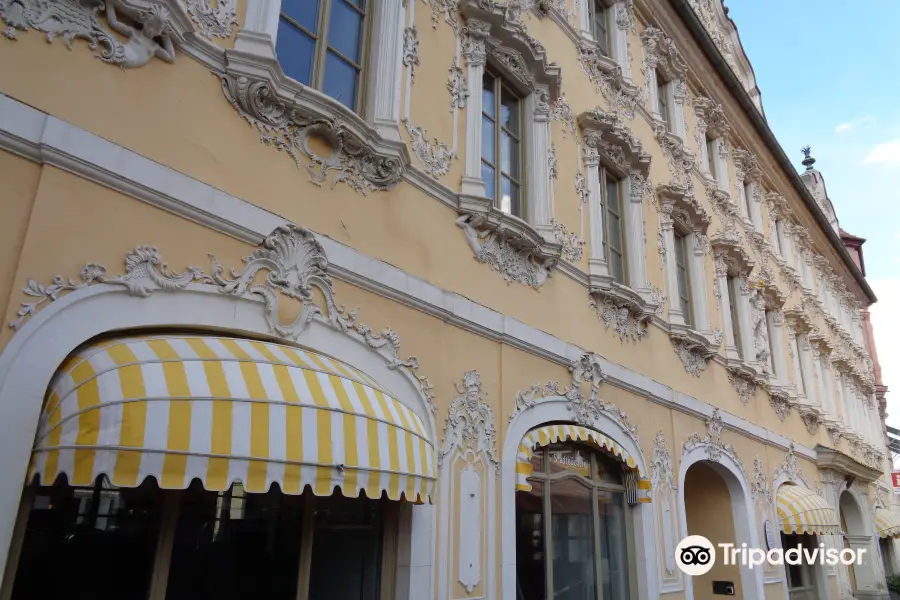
(696, 555)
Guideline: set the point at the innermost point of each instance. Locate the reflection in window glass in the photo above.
(501, 155)
(610, 201)
(320, 44)
(74, 532)
(684, 294)
(578, 500)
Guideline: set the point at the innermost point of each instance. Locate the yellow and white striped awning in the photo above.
(550, 434)
(887, 523)
(803, 511)
(180, 407)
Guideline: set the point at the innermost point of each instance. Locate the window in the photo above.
(801, 580)
(710, 157)
(662, 101)
(748, 197)
(600, 26)
(107, 543)
(611, 205)
(501, 145)
(733, 294)
(321, 43)
(684, 290)
(572, 527)
(777, 238)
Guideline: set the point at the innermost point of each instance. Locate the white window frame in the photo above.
(677, 212)
(617, 28)
(662, 58)
(383, 72)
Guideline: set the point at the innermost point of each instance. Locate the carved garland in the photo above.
(712, 441)
(585, 407)
(296, 268)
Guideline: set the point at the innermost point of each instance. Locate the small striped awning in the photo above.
(803, 511)
(887, 523)
(217, 409)
(550, 434)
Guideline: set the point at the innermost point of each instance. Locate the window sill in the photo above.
(625, 310)
(507, 243)
(694, 348)
(291, 114)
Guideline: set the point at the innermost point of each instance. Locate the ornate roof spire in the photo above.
(808, 161)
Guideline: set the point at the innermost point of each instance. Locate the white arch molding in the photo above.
(556, 409)
(745, 525)
(32, 356)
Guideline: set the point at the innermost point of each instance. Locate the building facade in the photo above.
(408, 299)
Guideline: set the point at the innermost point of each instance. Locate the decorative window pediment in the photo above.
(525, 247)
(683, 221)
(665, 79)
(611, 150)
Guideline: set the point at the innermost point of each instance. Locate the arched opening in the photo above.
(709, 511)
(171, 466)
(574, 521)
(854, 529)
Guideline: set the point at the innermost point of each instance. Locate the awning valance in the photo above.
(803, 511)
(887, 523)
(550, 434)
(223, 410)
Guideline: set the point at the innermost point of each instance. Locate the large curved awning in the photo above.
(803, 511)
(550, 434)
(887, 523)
(218, 409)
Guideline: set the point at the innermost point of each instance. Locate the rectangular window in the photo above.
(662, 101)
(684, 290)
(501, 145)
(733, 295)
(600, 26)
(801, 387)
(711, 157)
(321, 43)
(776, 237)
(748, 198)
(613, 240)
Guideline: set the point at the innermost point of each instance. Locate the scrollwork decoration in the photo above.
(212, 22)
(435, 155)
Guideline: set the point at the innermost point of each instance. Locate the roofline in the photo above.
(699, 32)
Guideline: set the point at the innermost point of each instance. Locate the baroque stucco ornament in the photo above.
(296, 268)
(212, 22)
(712, 441)
(285, 127)
(146, 26)
(435, 155)
(585, 407)
(517, 263)
(470, 423)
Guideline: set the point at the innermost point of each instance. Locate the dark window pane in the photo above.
(612, 195)
(305, 12)
(97, 543)
(572, 535)
(340, 81)
(614, 229)
(487, 140)
(609, 469)
(530, 544)
(613, 545)
(360, 4)
(295, 52)
(616, 266)
(346, 553)
(236, 546)
(487, 94)
(487, 174)
(509, 111)
(345, 31)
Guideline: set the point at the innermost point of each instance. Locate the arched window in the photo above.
(573, 533)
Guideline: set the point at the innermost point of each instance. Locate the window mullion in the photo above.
(306, 546)
(548, 541)
(159, 579)
(318, 74)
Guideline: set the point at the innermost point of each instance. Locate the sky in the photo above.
(830, 78)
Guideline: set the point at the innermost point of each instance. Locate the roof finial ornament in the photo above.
(808, 161)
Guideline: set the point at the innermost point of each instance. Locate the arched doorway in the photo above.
(854, 533)
(709, 512)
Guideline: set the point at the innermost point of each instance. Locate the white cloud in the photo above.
(886, 327)
(887, 153)
(854, 124)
